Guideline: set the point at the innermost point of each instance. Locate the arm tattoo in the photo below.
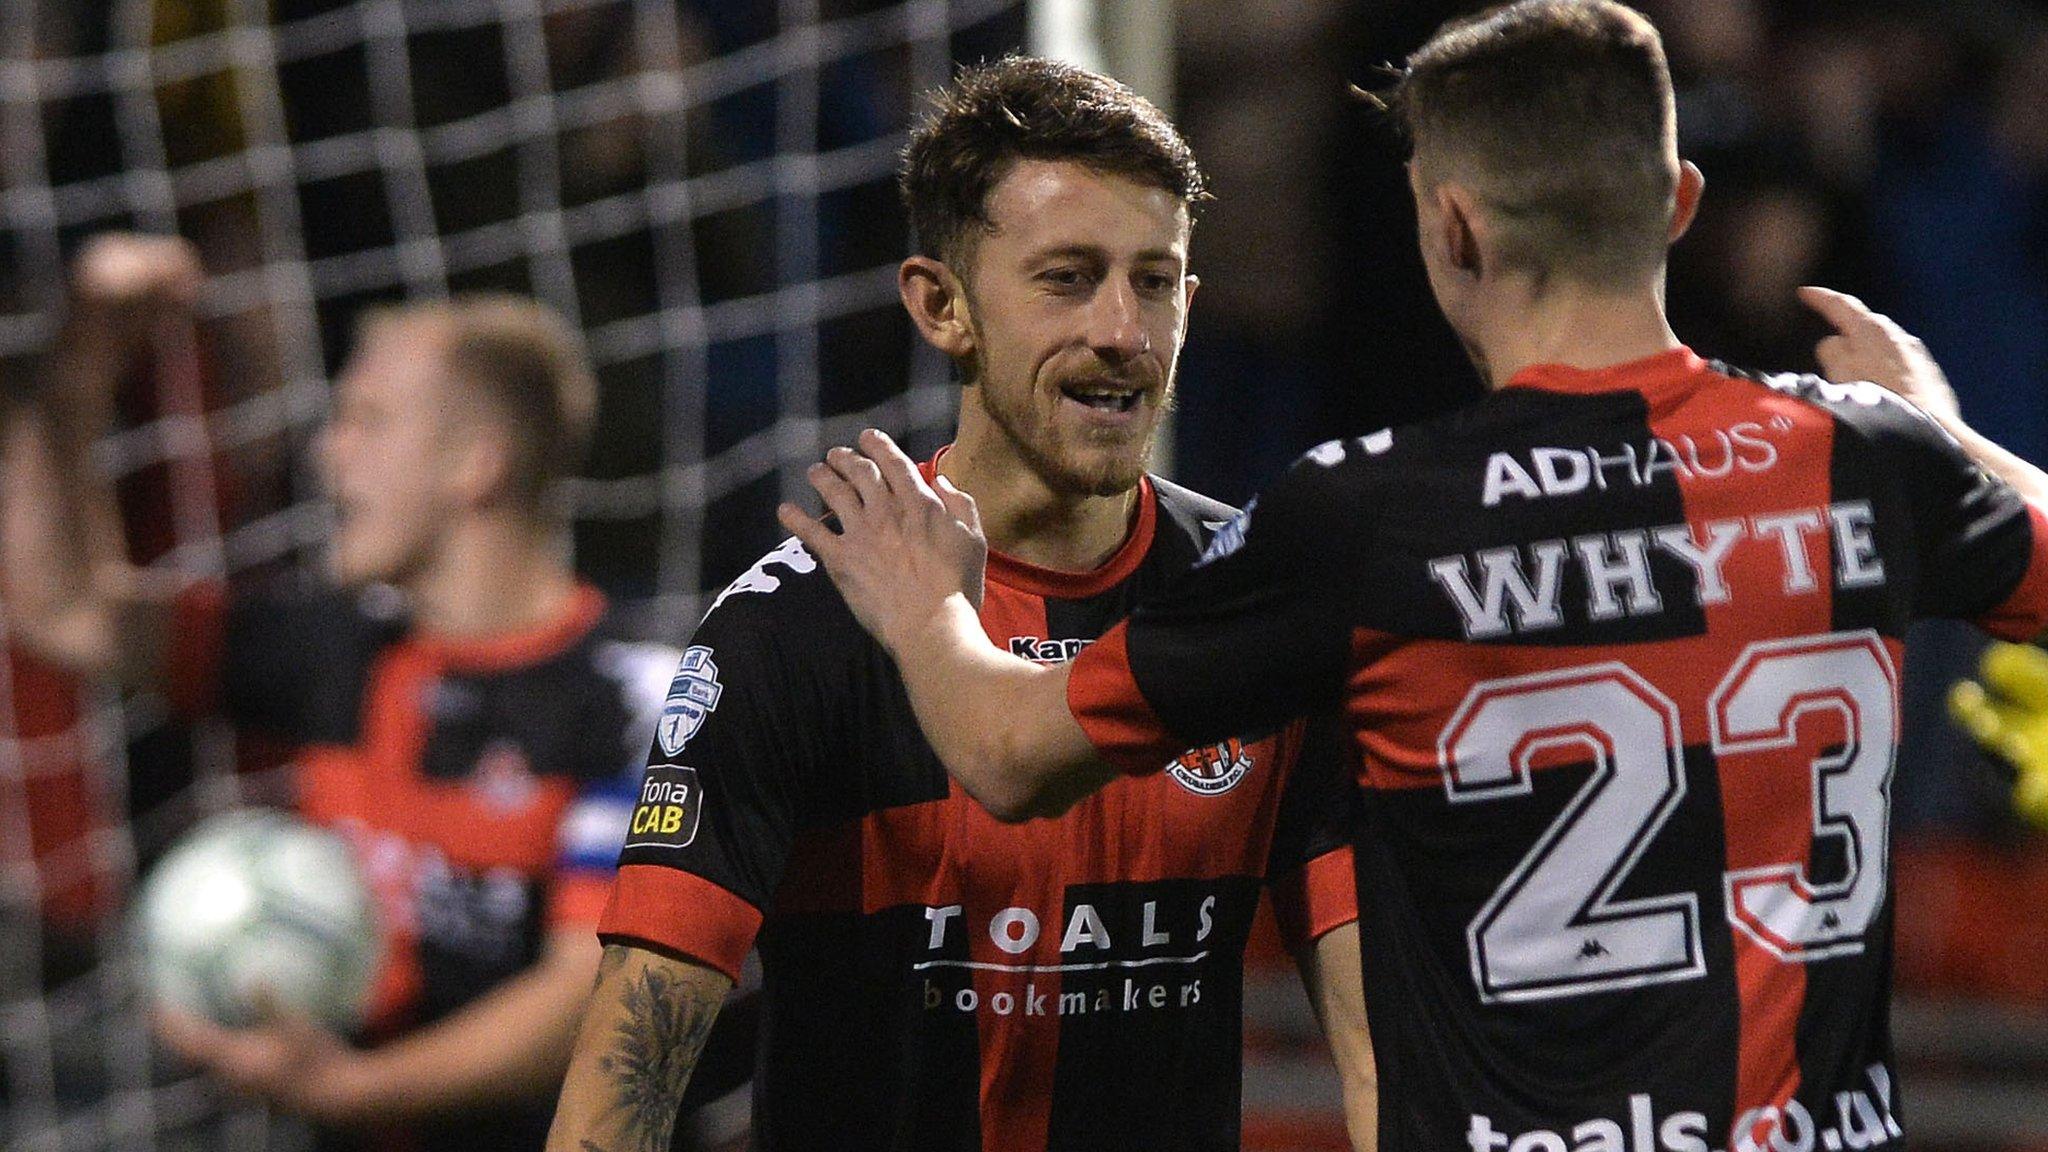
(654, 1048)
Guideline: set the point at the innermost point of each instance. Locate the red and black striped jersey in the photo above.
(1619, 656)
(483, 783)
(934, 979)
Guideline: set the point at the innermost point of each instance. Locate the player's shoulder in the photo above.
(1322, 500)
(618, 654)
(1332, 477)
(784, 601)
(1860, 409)
(312, 617)
(1188, 517)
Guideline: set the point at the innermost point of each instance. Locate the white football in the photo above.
(256, 908)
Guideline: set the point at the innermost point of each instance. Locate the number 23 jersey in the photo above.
(1619, 656)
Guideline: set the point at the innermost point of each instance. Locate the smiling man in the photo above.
(936, 979)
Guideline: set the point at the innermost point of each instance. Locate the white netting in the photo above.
(705, 186)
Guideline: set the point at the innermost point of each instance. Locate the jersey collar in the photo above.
(1647, 374)
(1054, 584)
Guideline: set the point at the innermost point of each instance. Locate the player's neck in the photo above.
(1571, 325)
(494, 574)
(1025, 519)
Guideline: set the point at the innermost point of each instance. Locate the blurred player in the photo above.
(45, 713)
(935, 979)
(470, 734)
(1618, 648)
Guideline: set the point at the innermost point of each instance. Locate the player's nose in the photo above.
(1116, 328)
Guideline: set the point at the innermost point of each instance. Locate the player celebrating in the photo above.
(935, 979)
(473, 746)
(1617, 647)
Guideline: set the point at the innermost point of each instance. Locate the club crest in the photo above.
(1212, 769)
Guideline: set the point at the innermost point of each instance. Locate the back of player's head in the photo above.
(527, 367)
(1027, 108)
(1559, 116)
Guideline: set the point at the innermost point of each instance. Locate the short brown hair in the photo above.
(1028, 108)
(1559, 114)
(529, 366)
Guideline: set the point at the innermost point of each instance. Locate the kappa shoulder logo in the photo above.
(790, 554)
(692, 696)
(1212, 769)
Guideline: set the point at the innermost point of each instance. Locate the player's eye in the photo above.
(1156, 283)
(1064, 278)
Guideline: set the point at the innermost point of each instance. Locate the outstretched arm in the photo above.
(1870, 346)
(639, 1044)
(1336, 990)
(69, 592)
(909, 564)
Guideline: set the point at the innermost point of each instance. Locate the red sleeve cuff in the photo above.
(683, 913)
(198, 645)
(578, 899)
(1105, 700)
(2024, 614)
(1315, 898)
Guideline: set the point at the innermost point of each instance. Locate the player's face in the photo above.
(383, 456)
(1078, 302)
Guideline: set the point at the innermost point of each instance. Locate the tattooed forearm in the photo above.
(664, 1014)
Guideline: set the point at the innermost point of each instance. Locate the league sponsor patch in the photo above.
(692, 696)
(1229, 535)
(669, 806)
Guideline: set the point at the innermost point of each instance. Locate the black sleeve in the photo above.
(717, 806)
(1257, 633)
(1975, 535)
(1309, 864)
(1318, 801)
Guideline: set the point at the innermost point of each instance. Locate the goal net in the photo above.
(704, 186)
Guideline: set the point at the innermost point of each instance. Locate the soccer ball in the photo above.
(256, 910)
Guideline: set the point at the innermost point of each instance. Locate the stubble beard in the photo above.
(1047, 451)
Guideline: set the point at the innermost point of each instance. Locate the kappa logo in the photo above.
(692, 696)
(1212, 769)
(1045, 651)
(790, 555)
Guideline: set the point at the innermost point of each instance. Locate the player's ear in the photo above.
(1686, 201)
(937, 303)
(1462, 229)
(482, 466)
